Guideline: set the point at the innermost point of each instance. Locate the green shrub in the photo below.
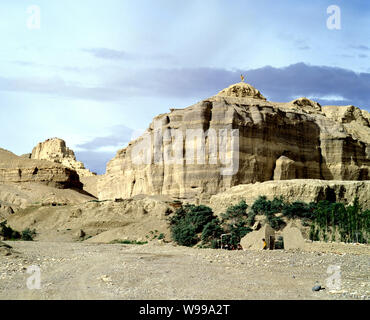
(235, 213)
(251, 218)
(269, 209)
(129, 242)
(197, 216)
(8, 233)
(261, 205)
(279, 243)
(215, 244)
(211, 231)
(299, 209)
(184, 234)
(28, 234)
(188, 221)
(277, 204)
(275, 222)
(235, 221)
(238, 231)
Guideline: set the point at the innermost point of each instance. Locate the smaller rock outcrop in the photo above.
(293, 238)
(347, 114)
(5, 249)
(353, 119)
(241, 90)
(15, 169)
(307, 104)
(285, 169)
(55, 150)
(254, 240)
(5, 210)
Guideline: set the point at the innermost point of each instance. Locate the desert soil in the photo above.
(114, 271)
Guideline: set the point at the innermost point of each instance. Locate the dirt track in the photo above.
(106, 271)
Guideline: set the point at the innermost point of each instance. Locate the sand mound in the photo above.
(132, 219)
(22, 195)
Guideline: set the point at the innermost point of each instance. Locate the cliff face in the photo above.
(294, 190)
(55, 150)
(265, 140)
(14, 169)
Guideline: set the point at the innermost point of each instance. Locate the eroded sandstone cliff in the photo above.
(265, 140)
(55, 150)
(15, 169)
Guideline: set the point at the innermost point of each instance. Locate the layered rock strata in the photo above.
(294, 190)
(15, 169)
(238, 137)
(55, 150)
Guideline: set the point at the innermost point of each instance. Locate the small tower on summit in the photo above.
(242, 77)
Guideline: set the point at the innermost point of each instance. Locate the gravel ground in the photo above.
(107, 271)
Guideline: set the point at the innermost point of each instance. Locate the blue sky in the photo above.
(96, 71)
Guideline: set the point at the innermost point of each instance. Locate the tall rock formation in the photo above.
(55, 150)
(265, 140)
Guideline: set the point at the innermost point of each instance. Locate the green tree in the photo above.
(188, 222)
(212, 231)
(235, 221)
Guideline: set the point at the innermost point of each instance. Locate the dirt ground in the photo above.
(83, 270)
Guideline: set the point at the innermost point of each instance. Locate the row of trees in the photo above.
(191, 224)
(350, 223)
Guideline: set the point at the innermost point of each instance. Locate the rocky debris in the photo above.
(5, 249)
(55, 150)
(5, 210)
(4, 245)
(97, 221)
(294, 140)
(22, 195)
(256, 225)
(293, 238)
(317, 288)
(105, 278)
(157, 272)
(15, 169)
(81, 234)
(294, 190)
